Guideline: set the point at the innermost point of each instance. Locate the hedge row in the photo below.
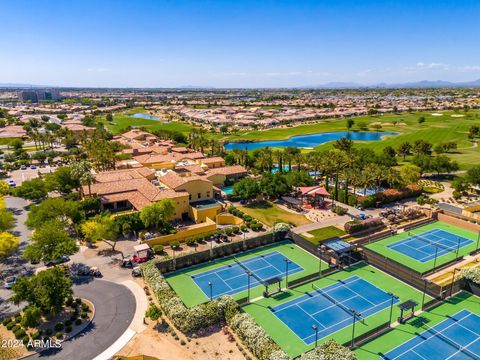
(356, 225)
(250, 222)
(390, 195)
(224, 309)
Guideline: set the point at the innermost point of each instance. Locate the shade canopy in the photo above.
(313, 190)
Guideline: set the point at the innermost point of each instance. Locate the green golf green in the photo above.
(292, 344)
(191, 290)
(385, 248)
(400, 334)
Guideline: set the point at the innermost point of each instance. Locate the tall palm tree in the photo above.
(278, 156)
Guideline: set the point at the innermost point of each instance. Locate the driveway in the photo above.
(114, 310)
(19, 176)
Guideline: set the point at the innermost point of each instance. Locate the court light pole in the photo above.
(425, 281)
(453, 280)
(355, 314)
(249, 274)
(320, 251)
(478, 241)
(393, 296)
(210, 285)
(435, 261)
(458, 247)
(287, 262)
(315, 328)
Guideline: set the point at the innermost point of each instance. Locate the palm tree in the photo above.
(278, 156)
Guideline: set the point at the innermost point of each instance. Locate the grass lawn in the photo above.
(323, 234)
(402, 333)
(295, 346)
(422, 267)
(435, 129)
(121, 121)
(191, 294)
(269, 213)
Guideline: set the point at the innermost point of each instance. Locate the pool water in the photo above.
(228, 190)
(312, 140)
(144, 116)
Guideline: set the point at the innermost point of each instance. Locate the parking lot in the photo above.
(19, 176)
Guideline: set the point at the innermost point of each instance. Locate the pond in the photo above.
(144, 116)
(310, 141)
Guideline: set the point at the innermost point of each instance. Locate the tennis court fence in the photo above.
(369, 335)
(311, 277)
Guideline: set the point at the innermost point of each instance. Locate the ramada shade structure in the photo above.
(312, 191)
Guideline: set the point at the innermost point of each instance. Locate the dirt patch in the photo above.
(12, 349)
(158, 341)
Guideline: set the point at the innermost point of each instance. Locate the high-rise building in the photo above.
(36, 95)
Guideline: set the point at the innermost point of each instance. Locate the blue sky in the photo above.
(142, 43)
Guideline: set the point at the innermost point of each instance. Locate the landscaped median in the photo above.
(26, 336)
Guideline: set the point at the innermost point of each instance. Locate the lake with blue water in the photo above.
(144, 116)
(310, 141)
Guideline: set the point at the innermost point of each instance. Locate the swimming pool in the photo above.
(228, 190)
(312, 140)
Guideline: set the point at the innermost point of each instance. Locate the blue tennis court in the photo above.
(232, 278)
(457, 337)
(422, 247)
(327, 308)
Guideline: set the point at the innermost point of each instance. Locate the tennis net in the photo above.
(434, 243)
(247, 270)
(459, 347)
(333, 300)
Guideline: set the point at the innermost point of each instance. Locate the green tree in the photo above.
(153, 312)
(350, 123)
(109, 117)
(7, 220)
(82, 171)
(8, 243)
(101, 227)
(422, 147)
(62, 180)
(274, 185)
(66, 211)
(404, 149)
(343, 144)
(158, 213)
(49, 242)
(46, 290)
(16, 144)
(34, 189)
(31, 316)
(421, 119)
(473, 175)
(246, 188)
(389, 152)
(409, 174)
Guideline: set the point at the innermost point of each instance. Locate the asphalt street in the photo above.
(114, 310)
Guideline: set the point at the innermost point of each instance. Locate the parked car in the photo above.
(33, 167)
(9, 282)
(62, 259)
(23, 167)
(140, 260)
(127, 263)
(362, 216)
(11, 183)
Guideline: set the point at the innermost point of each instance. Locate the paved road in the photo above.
(114, 310)
(15, 264)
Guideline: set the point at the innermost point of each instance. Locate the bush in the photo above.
(10, 325)
(185, 319)
(68, 323)
(58, 327)
(367, 201)
(16, 328)
(229, 231)
(59, 335)
(329, 350)
(243, 227)
(25, 340)
(18, 318)
(69, 301)
(68, 329)
(190, 241)
(48, 332)
(6, 321)
(174, 244)
(85, 307)
(158, 249)
(356, 225)
(83, 314)
(78, 322)
(236, 229)
(20, 333)
(78, 300)
(471, 274)
(340, 210)
(36, 335)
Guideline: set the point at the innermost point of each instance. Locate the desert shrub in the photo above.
(83, 314)
(190, 241)
(357, 225)
(10, 325)
(340, 210)
(174, 244)
(16, 327)
(6, 321)
(68, 329)
(20, 333)
(471, 274)
(78, 322)
(85, 307)
(58, 327)
(158, 249)
(68, 323)
(48, 332)
(229, 231)
(367, 201)
(236, 229)
(59, 335)
(329, 350)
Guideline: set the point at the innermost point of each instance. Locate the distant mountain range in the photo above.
(413, 85)
(424, 84)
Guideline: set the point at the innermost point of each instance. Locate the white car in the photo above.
(9, 282)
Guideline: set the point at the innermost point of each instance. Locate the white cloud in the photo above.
(469, 68)
(427, 66)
